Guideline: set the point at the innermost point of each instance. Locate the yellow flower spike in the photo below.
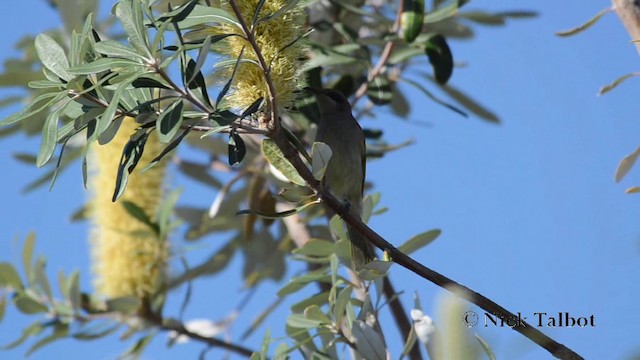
(128, 259)
(276, 39)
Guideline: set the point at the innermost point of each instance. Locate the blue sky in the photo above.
(530, 214)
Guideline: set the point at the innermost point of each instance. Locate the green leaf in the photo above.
(167, 150)
(72, 290)
(302, 322)
(52, 56)
(111, 131)
(124, 304)
(28, 305)
(276, 158)
(605, 89)
(27, 256)
(433, 97)
(137, 348)
(41, 277)
(130, 15)
(277, 215)
(314, 312)
(586, 25)
(93, 334)
(227, 85)
(49, 137)
(9, 277)
(340, 305)
(374, 269)
(60, 331)
(137, 212)
(251, 109)
(261, 317)
(411, 19)
(215, 130)
(166, 209)
(470, 104)
(169, 121)
(368, 342)
(104, 64)
(380, 91)
(31, 330)
(419, 241)
(115, 49)
(315, 247)
(28, 112)
(206, 15)
(131, 154)
(237, 149)
(3, 305)
(626, 164)
(440, 58)
(202, 56)
(486, 347)
(108, 115)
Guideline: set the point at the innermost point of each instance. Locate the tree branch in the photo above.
(556, 349)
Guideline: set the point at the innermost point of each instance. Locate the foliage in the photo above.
(158, 71)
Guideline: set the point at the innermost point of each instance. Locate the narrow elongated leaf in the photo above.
(130, 16)
(276, 158)
(115, 49)
(137, 212)
(440, 58)
(470, 104)
(52, 56)
(586, 25)
(227, 86)
(202, 56)
(9, 277)
(419, 241)
(207, 15)
(320, 157)
(433, 97)
(131, 154)
(379, 91)
(411, 19)
(49, 137)
(168, 149)
(72, 290)
(237, 149)
(28, 305)
(180, 13)
(27, 256)
(3, 305)
(35, 107)
(103, 64)
(626, 164)
(368, 342)
(169, 121)
(41, 277)
(605, 89)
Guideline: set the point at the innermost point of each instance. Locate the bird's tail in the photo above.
(361, 251)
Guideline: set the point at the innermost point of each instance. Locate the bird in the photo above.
(345, 172)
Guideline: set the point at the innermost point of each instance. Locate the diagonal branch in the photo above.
(556, 349)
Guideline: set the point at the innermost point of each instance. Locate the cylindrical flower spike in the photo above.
(278, 39)
(128, 258)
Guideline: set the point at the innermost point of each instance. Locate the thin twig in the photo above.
(382, 61)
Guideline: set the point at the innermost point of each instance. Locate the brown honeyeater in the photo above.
(345, 172)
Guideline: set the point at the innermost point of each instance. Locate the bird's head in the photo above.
(330, 101)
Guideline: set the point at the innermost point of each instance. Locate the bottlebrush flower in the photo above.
(128, 258)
